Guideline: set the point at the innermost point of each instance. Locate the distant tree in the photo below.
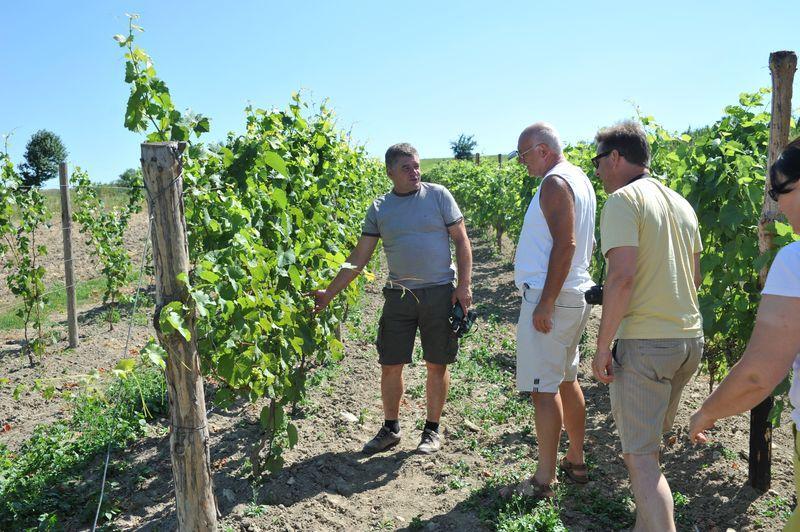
(131, 176)
(43, 153)
(463, 146)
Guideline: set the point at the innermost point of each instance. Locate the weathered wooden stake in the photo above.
(499, 160)
(477, 158)
(189, 442)
(782, 65)
(69, 267)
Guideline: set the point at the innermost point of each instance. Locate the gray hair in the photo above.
(396, 151)
(543, 133)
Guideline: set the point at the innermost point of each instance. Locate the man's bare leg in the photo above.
(549, 417)
(654, 505)
(573, 407)
(436, 386)
(392, 389)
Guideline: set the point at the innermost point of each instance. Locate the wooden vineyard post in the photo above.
(69, 267)
(782, 65)
(477, 158)
(499, 160)
(188, 441)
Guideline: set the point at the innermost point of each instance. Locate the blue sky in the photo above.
(420, 72)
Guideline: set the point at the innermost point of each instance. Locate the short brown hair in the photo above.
(404, 149)
(629, 139)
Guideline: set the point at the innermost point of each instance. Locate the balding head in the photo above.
(542, 133)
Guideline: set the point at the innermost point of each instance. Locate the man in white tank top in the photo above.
(551, 272)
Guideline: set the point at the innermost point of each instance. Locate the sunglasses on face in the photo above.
(596, 158)
(779, 189)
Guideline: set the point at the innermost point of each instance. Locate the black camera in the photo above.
(460, 324)
(594, 295)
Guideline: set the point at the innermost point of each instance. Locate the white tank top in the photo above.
(535, 242)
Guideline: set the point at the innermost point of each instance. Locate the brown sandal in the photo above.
(577, 473)
(528, 488)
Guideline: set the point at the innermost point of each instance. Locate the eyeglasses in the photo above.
(779, 189)
(521, 156)
(596, 158)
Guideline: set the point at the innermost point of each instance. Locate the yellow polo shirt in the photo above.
(662, 224)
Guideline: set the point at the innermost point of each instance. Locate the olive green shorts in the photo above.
(406, 310)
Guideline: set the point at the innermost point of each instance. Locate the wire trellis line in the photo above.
(124, 354)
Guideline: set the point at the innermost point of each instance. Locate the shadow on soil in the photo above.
(99, 314)
(342, 473)
(12, 348)
(605, 503)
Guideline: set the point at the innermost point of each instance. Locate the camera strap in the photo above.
(601, 260)
(637, 178)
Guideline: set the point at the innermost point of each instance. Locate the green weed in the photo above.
(728, 454)
(43, 476)
(777, 506)
(458, 471)
(417, 391)
(519, 517)
(255, 510)
(607, 512)
(416, 524)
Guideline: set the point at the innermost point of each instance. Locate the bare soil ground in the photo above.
(98, 349)
(327, 484)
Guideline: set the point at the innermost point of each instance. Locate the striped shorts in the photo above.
(649, 377)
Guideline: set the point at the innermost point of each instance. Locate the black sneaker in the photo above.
(385, 439)
(430, 442)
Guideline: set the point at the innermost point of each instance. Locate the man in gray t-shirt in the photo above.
(415, 225)
(416, 222)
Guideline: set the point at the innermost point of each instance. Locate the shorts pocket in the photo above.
(452, 347)
(566, 321)
(531, 297)
(615, 355)
(379, 336)
(657, 348)
(570, 301)
(566, 301)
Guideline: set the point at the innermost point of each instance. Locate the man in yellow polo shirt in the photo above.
(649, 235)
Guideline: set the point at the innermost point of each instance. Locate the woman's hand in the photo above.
(698, 423)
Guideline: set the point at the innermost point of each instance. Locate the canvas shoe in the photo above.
(385, 439)
(430, 442)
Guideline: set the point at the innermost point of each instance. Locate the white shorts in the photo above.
(544, 361)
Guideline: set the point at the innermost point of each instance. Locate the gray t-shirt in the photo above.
(413, 228)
